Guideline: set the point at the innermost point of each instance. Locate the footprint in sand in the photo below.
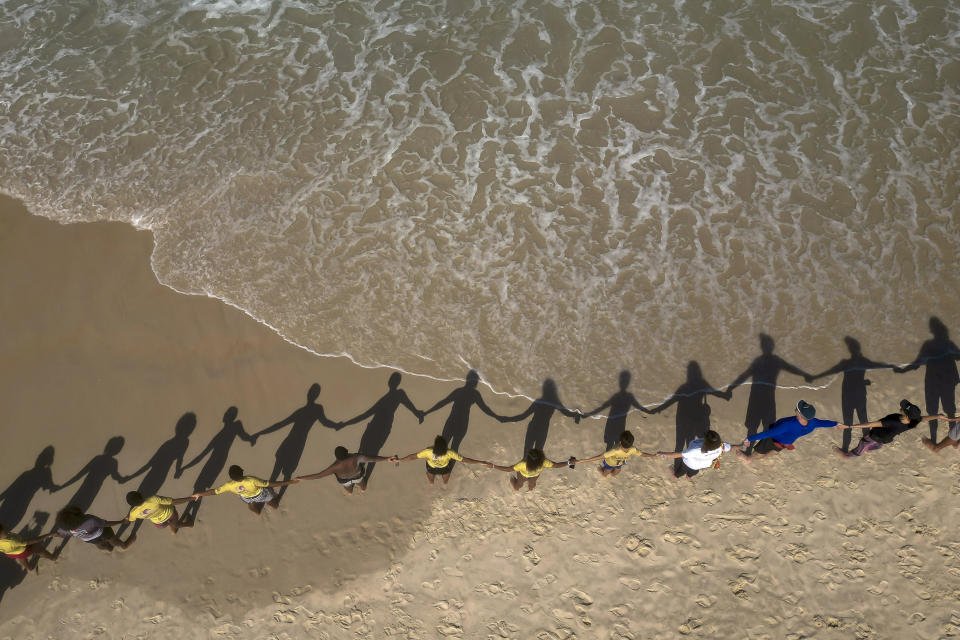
(678, 537)
(741, 553)
(742, 585)
(503, 629)
(496, 589)
(690, 626)
(705, 601)
(578, 597)
(630, 583)
(635, 544)
(530, 558)
(710, 498)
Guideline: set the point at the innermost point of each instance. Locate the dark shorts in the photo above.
(769, 445)
(166, 523)
(682, 470)
(349, 482)
(440, 471)
(604, 465)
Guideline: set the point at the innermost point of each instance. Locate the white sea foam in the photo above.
(537, 188)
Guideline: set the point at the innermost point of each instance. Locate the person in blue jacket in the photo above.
(781, 435)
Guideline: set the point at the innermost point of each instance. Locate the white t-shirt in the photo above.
(696, 459)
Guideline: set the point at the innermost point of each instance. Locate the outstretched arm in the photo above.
(740, 379)
(595, 458)
(78, 475)
(442, 403)
(333, 468)
(520, 416)
(408, 458)
(197, 459)
(405, 401)
(182, 500)
(283, 483)
(797, 371)
(138, 472)
(590, 414)
(472, 461)
(278, 425)
(360, 418)
(483, 407)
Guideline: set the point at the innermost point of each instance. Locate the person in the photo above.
(619, 404)
(440, 460)
(72, 522)
(614, 459)
(530, 468)
(784, 432)
(21, 550)
(883, 431)
(701, 453)
(160, 510)
(939, 357)
(349, 469)
(255, 491)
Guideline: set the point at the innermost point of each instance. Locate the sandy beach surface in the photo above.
(805, 546)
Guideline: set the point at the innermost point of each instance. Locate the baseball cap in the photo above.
(910, 410)
(806, 409)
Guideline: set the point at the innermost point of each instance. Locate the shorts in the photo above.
(954, 433)
(440, 471)
(768, 445)
(608, 467)
(266, 495)
(349, 482)
(682, 470)
(166, 523)
(26, 553)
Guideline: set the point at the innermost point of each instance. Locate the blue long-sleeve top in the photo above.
(787, 430)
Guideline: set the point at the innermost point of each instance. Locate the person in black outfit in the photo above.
(883, 431)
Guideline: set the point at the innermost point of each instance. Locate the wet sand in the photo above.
(808, 545)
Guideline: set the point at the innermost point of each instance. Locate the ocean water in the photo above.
(531, 188)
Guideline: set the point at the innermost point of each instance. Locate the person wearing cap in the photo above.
(784, 432)
(883, 431)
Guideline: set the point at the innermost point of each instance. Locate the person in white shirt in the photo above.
(701, 453)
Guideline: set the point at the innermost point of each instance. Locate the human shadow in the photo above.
(461, 400)
(940, 377)
(289, 452)
(11, 573)
(94, 474)
(218, 450)
(381, 416)
(619, 404)
(763, 373)
(693, 412)
(157, 468)
(541, 412)
(853, 388)
(18, 496)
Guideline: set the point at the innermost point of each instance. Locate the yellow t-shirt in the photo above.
(248, 487)
(12, 545)
(156, 509)
(616, 457)
(439, 462)
(521, 468)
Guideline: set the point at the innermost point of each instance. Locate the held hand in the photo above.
(394, 458)
(577, 417)
(488, 465)
(899, 370)
(253, 441)
(178, 473)
(808, 377)
(420, 416)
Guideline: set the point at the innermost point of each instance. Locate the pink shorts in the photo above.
(23, 554)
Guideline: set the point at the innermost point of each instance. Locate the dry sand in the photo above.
(804, 546)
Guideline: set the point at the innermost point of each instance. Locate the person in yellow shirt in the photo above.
(160, 510)
(614, 459)
(440, 460)
(530, 468)
(253, 490)
(21, 550)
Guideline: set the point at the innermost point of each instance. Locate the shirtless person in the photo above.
(349, 469)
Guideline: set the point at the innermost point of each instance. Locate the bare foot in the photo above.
(743, 456)
(840, 452)
(929, 444)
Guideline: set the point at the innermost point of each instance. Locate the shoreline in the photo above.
(95, 347)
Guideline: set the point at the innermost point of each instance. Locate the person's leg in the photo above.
(40, 552)
(25, 563)
(362, 485)
(446, 478)
(256, 507)
(616, 471)
(531, 484)
(429, 477)
(348, 488)
(603, 471)
(274, 503)
(515, 482)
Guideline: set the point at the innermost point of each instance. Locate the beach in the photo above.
(806, 545)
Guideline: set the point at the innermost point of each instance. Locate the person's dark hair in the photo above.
(341, 453)
(912, 412)
(70, 517)
(134, 498)
(235, 472)
(534, 459)
(626, 439)
(711, 441)
(439, 446)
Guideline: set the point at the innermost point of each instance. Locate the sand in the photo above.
(804, 546)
